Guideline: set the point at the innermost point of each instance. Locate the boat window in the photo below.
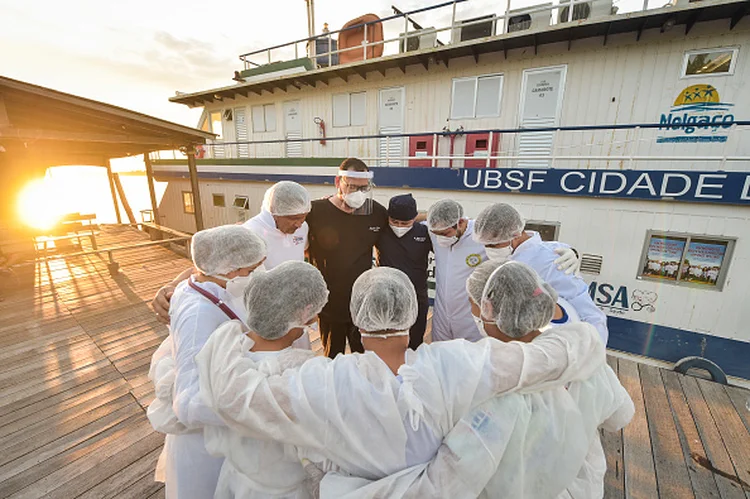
(216, 124)
(241, 202)
(219, 200)
(350, 109)
(264, 118)
(188, 204)
(548, 231)
(476, 97)
(714, 62)
(686, 259)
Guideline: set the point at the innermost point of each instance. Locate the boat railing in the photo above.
(397, 29)
(618, 145)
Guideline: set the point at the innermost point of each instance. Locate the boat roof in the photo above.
(606, 26)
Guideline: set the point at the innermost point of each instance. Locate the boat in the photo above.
(623, 134)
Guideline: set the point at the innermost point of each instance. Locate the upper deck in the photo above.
(76, 346)
(398, 41)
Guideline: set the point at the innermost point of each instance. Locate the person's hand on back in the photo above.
(160, 303)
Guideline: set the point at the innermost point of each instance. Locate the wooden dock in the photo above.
(75, 347)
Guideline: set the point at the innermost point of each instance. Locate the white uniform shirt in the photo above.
(255, 469)
(280, 247)
(541, 257)
(190, 471)
(451, 317)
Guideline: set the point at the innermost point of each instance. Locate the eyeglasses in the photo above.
(347, 187)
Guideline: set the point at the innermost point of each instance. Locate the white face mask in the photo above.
(236, 286)
(400, 231)
(355, 199)
(501, 254)
(446, 242)
(480, 325)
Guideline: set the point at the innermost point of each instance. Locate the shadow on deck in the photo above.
(75, 347)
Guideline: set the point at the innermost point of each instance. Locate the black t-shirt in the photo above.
(409, 254)
(341, 248)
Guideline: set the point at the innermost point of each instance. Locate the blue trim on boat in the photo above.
(721, 187)
(671, 344)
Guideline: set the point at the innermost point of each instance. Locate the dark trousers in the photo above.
(416, 333)
(333, 335)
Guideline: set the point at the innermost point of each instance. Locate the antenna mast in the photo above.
(310, 26)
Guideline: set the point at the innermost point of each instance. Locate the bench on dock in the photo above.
(72, 227)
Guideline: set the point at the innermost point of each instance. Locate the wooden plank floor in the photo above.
(75, 347)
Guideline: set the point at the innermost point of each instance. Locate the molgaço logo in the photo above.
(699, 107)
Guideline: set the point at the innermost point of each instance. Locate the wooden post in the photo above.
(151, 189)
(112, 189)
(124, 200)
(195, 188)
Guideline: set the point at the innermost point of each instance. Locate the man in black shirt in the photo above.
(343, 231)
(406, 246)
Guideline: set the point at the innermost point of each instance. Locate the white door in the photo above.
(541, 105)
(240, 132)
(293, 128)
(391, 121)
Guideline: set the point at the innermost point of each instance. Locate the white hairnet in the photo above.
(383, 299)
(286, 198)
(517, 300)
(497, 223)
(478, 279)
(226, 248)
(444, 214)
(285, 297)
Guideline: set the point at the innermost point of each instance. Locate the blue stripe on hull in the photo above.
(671, 344)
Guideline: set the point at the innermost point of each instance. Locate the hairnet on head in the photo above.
(285, 297)
(383, 299)
(226, 248)
(286, 198)
(517, 300)
(478, 279)
(497, 223)
(444, 214)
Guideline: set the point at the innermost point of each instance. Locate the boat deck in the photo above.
(75, 346)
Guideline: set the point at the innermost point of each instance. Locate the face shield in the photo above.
(355, 190)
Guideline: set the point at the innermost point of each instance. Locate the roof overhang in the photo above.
(47, 127)
(636, 22)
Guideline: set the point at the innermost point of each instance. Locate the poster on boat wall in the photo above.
(663, 258)
(703, 262)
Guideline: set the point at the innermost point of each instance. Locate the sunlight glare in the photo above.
(36, 205)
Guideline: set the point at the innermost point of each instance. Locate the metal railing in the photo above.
(562, 12)
(626, 145)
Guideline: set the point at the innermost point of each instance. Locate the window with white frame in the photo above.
(548, 231)
(709, 62)
(350, 109)
(242, 202)
(686, 259)
(264, 118)
(188, 202)
(476, 97)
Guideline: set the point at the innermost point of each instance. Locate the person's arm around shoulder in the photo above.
(251, 402)
(160, 302)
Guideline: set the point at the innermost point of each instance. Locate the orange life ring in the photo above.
(200, 152)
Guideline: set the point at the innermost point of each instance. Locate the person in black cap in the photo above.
(406, 245)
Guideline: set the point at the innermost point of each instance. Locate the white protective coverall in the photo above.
(530, 444)
(541, 257)
(280, 247)
(451, 316)
(258, 469)
(311, 407)
(184, 465)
